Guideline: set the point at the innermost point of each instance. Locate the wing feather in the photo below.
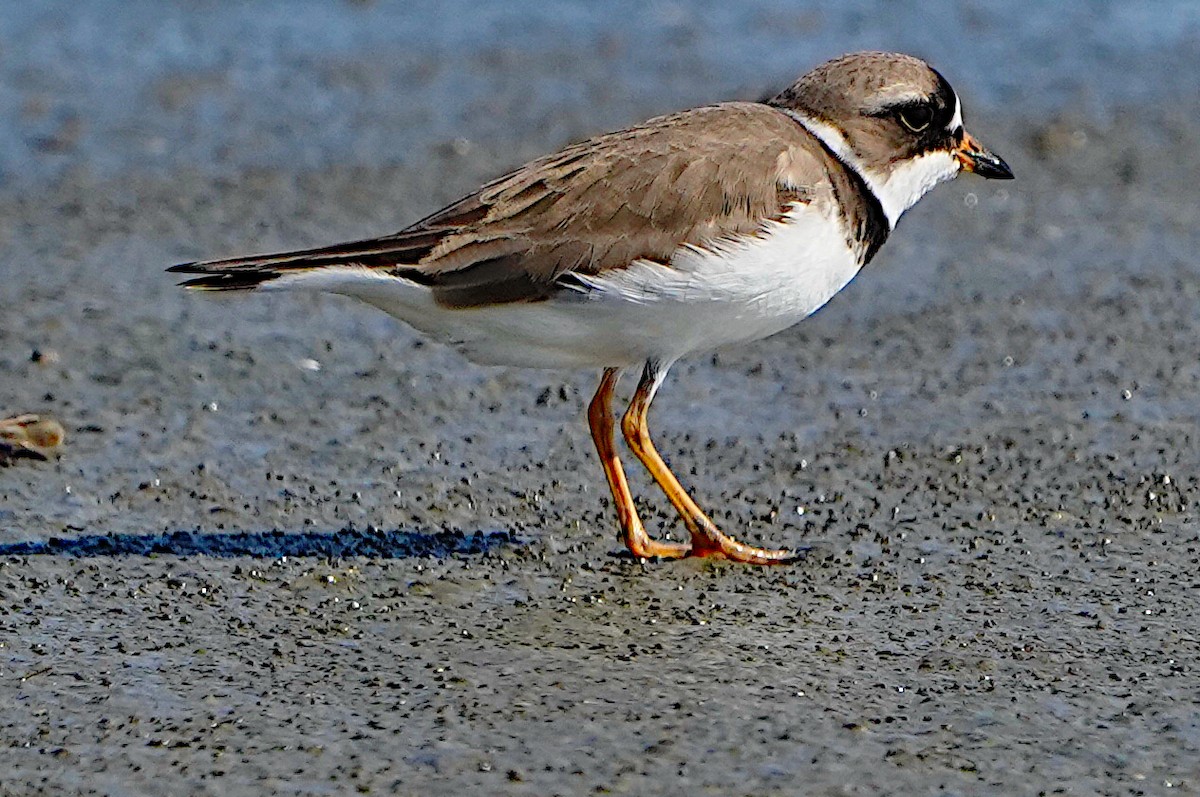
(688, 179)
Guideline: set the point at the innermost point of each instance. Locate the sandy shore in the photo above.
(292, 549)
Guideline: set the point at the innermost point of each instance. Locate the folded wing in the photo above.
(688, 179)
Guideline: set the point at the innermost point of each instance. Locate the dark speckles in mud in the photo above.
(988, 442)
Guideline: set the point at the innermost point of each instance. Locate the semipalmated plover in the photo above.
(712, 226)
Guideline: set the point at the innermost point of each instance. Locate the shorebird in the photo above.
(713, 226)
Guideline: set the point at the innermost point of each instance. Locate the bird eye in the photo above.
(916, 118)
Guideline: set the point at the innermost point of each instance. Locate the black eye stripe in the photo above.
(918, 116)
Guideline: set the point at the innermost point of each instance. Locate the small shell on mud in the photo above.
(33, 436)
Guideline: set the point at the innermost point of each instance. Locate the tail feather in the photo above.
(249, 272)
(232, 280)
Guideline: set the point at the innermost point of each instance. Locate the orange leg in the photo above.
(707, 539)
(600, 419)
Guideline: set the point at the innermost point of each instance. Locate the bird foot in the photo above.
(642, 547)
(712, 543)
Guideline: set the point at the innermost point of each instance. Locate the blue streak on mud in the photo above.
(342, 544)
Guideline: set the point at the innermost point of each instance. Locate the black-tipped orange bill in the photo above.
(976, 158)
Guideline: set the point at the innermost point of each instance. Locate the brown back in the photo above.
(687, 179)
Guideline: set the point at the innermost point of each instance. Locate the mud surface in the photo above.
(291, 549)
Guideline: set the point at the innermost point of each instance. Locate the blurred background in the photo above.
(112, 85)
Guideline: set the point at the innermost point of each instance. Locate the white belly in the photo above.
(750, 289)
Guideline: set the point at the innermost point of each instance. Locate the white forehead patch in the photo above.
(888, 101)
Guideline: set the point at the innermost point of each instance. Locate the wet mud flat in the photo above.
(289, 548)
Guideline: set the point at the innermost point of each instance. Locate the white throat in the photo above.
(897, 190)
